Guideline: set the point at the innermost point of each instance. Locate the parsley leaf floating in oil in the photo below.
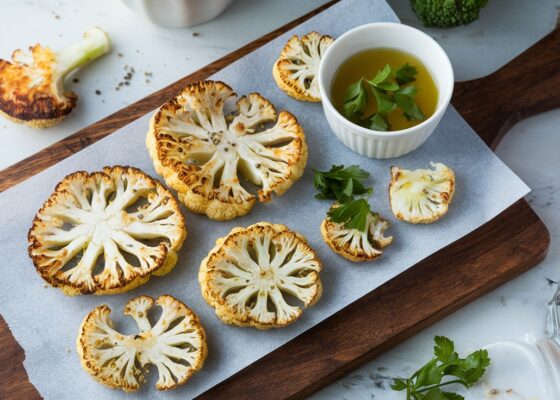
(355, 100)
(341, 183)
(352, 214)
(445, 368)
(390, 94)
(406, 74)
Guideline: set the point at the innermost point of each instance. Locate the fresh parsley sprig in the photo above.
(352, 214)
(390, 93)
(427, 382)
(341, 183)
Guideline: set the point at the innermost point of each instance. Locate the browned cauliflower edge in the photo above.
(200, 150)
(354, 244)
(32, 83)
(175, 344)
(421, 196)
(250, 273)
(106, 232)
(295, 71)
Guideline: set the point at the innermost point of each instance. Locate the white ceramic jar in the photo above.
(365, 141)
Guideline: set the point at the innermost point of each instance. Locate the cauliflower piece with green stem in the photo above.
(32, 84)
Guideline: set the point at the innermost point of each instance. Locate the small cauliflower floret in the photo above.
(354, 244)
(106, 232)
(421, 196)
(175, 344)
(254, 274)
(200, 151)
(32, 84)
(295, 71)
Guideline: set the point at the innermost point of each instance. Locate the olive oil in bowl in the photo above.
(367, 64)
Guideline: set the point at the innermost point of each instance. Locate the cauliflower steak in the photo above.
(354, 244)
(200, 149)
(106, 232)
(295, 71)
(32, 84)
(175, 344)
(421, 196)
(254, 276)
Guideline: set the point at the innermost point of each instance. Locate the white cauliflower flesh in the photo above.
(261, 276)
(175, 344)
(106, 232)
(295, 71)
(421, 196)
(201, 150)
(356, 245)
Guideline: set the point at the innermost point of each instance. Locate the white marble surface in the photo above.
(530, 149)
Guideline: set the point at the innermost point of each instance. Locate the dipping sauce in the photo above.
(366, 64)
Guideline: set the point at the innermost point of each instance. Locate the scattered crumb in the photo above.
(46, 286)
(120, 54)
(55, 15)
(126, 79)
(196, 34)
(68, 351)
(98, 92)
(75, 80)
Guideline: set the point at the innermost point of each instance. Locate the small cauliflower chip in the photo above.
(200, 150)
(421, 196)
(175, 344)
(106, 232)
(354, 244)
(295, 71)
(254, 276)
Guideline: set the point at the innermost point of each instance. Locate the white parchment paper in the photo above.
(45, 322)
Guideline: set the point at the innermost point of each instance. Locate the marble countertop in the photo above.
(530, 148)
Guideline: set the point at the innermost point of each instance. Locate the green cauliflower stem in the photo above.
(447, 13)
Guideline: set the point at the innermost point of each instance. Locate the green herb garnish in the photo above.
(352, 214)
(426, 383)
(341, 183)
(389, 92)
(406, 74)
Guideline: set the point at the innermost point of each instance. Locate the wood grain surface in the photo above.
(503, 248)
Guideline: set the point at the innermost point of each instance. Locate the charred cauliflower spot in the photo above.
(257, 276)
(421, 196)
(32, 84)
(354, 244)
(175, 344)
(295, 71)
(200, 150)
(106, 232)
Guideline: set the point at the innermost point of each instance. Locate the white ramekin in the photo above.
(365, 141)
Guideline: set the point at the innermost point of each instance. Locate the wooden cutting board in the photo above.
(503, 248)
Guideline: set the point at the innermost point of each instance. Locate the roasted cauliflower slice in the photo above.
(200, 151)
(295, 71)
(255, 276)
(32, 84)
(356, 245)
(106, 232)
(175, 344)
(421, 196)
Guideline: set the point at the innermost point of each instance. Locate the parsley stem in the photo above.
(439, 385)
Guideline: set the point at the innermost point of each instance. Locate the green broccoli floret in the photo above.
(447, 13)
